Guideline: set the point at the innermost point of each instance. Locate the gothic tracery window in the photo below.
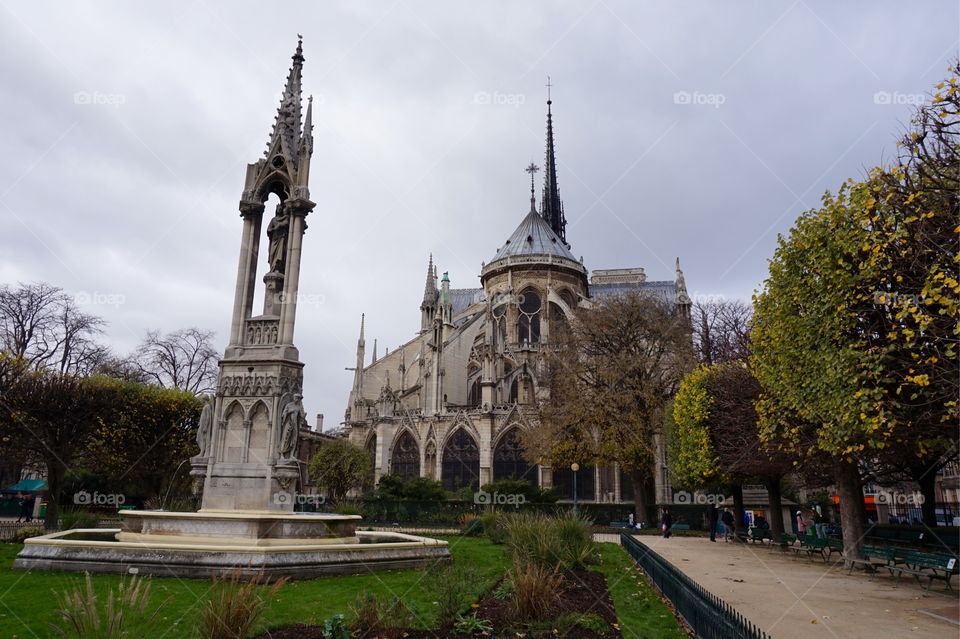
(461, 462)
(405, 461)
(528, 322)
(509, 462)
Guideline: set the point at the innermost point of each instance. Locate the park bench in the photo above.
(620, 524)
(834, 545)
(757, 535)
(874, 557)
(811, 546)
(929, 565)
(680, 527)
(786, 541)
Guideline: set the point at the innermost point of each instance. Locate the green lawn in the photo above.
(28, 600)
(641, 613)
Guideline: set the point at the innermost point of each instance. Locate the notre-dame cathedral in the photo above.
(450, 403)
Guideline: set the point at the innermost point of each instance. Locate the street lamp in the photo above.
(574, 467)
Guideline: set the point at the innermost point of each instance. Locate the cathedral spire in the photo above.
(430, 287)
(552, 208)
(286, 127)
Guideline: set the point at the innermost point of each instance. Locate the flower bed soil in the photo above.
(583, 593)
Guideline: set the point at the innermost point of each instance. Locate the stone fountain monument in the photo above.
(247, 467)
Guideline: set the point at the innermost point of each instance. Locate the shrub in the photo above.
(78, 518)
(25, 533)
(471, 525)
(452, 587)
(531, 492)
(495, 527)
(536, 588)
(373, 617)
(235, 606)
(335, 628)
(417, 488)
(82, 616)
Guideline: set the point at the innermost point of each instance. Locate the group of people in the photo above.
(721, 521)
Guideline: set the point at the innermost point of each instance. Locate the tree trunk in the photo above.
(55, 472)
(737, 491)
(927, 480)
(853, 516)
(639, 482)
(775, 516)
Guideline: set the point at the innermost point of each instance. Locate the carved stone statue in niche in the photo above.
(205, 426)
(277, 233)
(291, 416)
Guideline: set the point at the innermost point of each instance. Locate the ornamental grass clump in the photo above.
(236, 605)
(83, 616)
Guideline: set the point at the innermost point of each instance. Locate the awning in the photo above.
(28, 486)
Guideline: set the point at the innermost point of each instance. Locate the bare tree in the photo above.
(721, 330)
(184, 359)
(43, 327)
(610, 380)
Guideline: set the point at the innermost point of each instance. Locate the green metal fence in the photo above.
(708, 615)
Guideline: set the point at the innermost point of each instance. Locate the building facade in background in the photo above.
(450, 404)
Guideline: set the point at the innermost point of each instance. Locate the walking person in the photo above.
(666, 523)
(24, 509)
(819, 524)
(801, 525)
(728, 529)
(713, 516)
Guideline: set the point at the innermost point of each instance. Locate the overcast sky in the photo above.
(698, 130)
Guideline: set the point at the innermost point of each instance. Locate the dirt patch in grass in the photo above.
(583, 611)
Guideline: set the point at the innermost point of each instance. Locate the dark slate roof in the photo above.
(461, 298)
(666, 290)
(534, 237)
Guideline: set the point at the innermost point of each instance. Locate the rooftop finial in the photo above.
(532, 170)
(549, 101)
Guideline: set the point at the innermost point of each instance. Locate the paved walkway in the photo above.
(795, 599)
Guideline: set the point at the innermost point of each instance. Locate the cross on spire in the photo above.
(549, 86)
(532, 170)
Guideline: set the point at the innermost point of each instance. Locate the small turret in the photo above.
(428, 307)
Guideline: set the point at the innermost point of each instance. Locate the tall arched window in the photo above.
(528, 323)
(461, 462)
(500, 327)
(405, 461)
(475, 395)
(508, 460)
(372, 452)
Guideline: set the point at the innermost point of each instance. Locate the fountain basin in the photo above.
(100, 550)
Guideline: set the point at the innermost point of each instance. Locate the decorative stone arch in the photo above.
(462, 420)
(405, 454)
(233, 432)
(460, 459)
(511, 383)
(564, 299)
(252, 408)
